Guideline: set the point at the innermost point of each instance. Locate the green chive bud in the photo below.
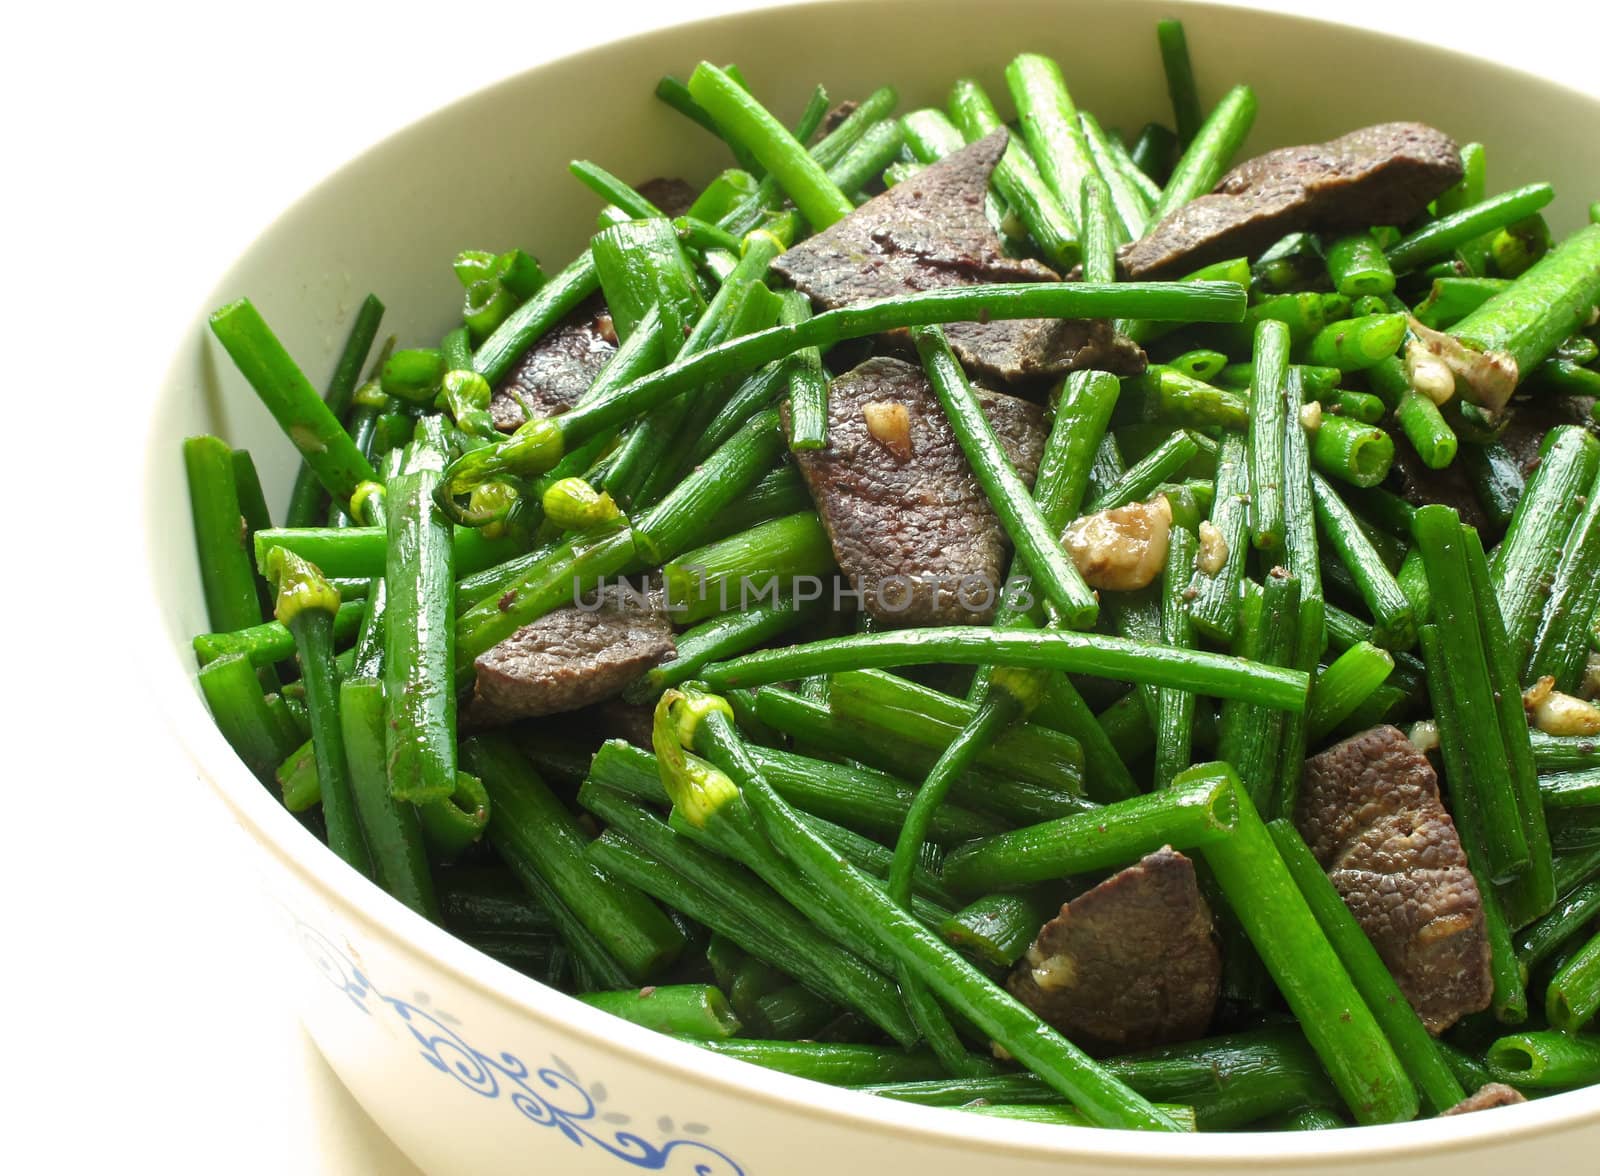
(413, 374)
(489, 505)
(366, 504)
(696, 787)
(300, 584)
(394, 431)
(690, 705)
(527, 453)
(466, 387)
(465, 395)
(534, 448)
(574, 505)
(371, 395)
(1023, 687)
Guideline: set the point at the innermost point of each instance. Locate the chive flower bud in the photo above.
(301, 586)
(413, 374)
(574, 505)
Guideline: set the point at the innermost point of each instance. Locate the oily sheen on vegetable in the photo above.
(1016, 614)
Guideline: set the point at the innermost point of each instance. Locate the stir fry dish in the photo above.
(1021, 617)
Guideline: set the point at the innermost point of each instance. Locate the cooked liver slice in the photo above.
(831, 120)
(922, 516)
(1128, 964)
(1378, 175)
(1411, 478)
(1490, 1094)
(1369, 809)
(668, 193)
(931, 232)
(629, 721)
(570, 658)
(558, 369)
(1533, 417)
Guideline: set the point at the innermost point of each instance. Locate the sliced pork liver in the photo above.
(1128, 964)
(931, 232)
(570, 658)
(1489, 1096)
(1419, 485)
(1369, 809)
(1532, 419)
(558, 369)
(902, 505)
(831, 121)
(668, 193)
(1378, 175)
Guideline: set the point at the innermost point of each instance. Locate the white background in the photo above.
(144, 146)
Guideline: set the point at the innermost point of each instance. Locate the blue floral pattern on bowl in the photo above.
(549, 1097)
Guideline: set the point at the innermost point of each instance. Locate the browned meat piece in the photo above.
(908, 523)
(1533, 417)
(1530, 420)
(615, 719)
(1369, 809)
(558, 369)
(570, 658)
(1410, 478)
(1379, 175)
(1490, 1094)
(670, 194)
(1128, 964)
(931, 232)
(831, 120)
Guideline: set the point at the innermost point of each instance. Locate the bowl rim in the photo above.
(359, 901)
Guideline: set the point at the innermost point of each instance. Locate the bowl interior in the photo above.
(490, 172)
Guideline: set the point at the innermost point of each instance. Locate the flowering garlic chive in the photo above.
(527, 453)
(413, 374)
(367, 501)
(370, 395)
(574, 505)
(1024, 687)
(696, 787)
(490, 504)
(465, 395)
(300, 584)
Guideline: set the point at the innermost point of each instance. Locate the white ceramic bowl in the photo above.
(472, 1067)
